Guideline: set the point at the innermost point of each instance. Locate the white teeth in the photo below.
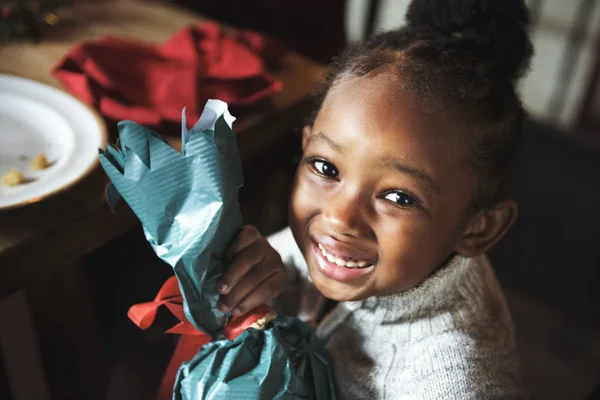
(341, 262)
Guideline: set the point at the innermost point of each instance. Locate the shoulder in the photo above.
(459, 365)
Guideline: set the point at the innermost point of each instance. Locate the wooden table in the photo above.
(37, 242)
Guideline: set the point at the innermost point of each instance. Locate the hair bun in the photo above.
(496, 30)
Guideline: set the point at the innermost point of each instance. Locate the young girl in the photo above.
(398, 196)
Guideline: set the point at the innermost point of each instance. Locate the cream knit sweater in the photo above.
(451, 337)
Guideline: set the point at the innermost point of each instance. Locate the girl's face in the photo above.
(381, 196)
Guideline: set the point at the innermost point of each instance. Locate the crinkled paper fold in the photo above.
(188, 205)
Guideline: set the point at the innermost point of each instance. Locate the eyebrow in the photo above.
(415, 174)
(324, 138)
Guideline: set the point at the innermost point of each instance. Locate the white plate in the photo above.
(36, 118)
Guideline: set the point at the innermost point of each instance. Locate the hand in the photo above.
(254, 276)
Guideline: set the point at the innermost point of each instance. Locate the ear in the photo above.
(487, 227)
(306, 133)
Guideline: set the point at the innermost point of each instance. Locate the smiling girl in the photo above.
(397, 198)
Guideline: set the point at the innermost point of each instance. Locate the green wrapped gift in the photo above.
(188, 205)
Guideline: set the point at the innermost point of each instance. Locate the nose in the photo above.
(346, 213)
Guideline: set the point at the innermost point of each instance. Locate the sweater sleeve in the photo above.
(299, 296)
(293, 260)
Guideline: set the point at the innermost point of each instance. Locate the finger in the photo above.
(248, 235)
(268, 289)
(248, 283)
(240, 265)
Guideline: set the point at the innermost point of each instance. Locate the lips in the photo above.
(341, 262)
(343, 250)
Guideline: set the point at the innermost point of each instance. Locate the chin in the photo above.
(337, 291)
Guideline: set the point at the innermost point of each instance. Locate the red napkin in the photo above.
(151, 84)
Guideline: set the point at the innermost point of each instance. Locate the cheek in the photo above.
(304, 200)
(404, 241)
(411, 248)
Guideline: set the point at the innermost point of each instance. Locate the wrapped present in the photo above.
(188, 205)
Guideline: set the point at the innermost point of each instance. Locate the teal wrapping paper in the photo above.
(188, 205)
(284, 362)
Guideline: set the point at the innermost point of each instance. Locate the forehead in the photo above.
(380, 115)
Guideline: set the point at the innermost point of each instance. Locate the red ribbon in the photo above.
(169, 295)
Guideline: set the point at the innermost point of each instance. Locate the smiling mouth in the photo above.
(340, 267)
(343, 261)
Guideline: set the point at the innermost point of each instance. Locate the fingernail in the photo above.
(222, 307)
(237, 311)
(223, 288)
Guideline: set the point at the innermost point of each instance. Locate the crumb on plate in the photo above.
(13, 178)
(40, 162)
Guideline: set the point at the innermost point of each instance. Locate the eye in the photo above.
(401, 199)
(325, 168)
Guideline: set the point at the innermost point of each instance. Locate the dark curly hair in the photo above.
(460, 59)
